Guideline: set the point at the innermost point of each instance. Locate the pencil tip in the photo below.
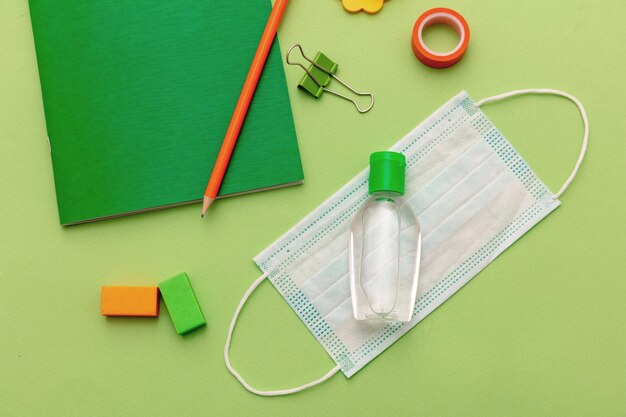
(206, 204)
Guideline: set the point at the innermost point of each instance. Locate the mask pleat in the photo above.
(448, 178)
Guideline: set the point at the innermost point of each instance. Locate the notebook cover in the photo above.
(138, 96)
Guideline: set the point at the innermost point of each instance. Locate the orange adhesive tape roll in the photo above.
(448, 17)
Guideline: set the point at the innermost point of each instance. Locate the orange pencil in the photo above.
(242, 104)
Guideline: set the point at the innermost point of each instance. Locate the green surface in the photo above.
(440, 37)
(138, 96)
(540, 332)
(181, 303)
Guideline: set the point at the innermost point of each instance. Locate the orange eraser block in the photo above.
(130, 301)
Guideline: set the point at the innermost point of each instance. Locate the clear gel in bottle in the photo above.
(385, 243)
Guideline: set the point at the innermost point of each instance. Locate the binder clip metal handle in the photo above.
(319, 74)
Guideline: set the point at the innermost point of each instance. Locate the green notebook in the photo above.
(138, 96)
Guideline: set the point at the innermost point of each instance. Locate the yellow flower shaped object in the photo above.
(368, 6)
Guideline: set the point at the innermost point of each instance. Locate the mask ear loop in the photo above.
(570, 97)
(232, 370)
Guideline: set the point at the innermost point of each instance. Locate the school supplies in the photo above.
(448, 17)
(368, 6)
(319, 74)
(130, 301)
(177, 294)
(219, 169)
(138, 96)
(474, 196)
(182, 304)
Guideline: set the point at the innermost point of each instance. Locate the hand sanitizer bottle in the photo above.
(385, 243)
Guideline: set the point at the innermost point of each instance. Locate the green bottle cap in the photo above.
(387, 172)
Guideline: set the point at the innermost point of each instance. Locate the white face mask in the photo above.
(474, 196)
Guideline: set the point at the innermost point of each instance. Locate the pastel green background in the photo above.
(540, 332)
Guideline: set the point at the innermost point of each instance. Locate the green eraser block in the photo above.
(181, 303)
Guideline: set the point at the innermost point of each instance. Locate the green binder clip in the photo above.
(319, 74)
